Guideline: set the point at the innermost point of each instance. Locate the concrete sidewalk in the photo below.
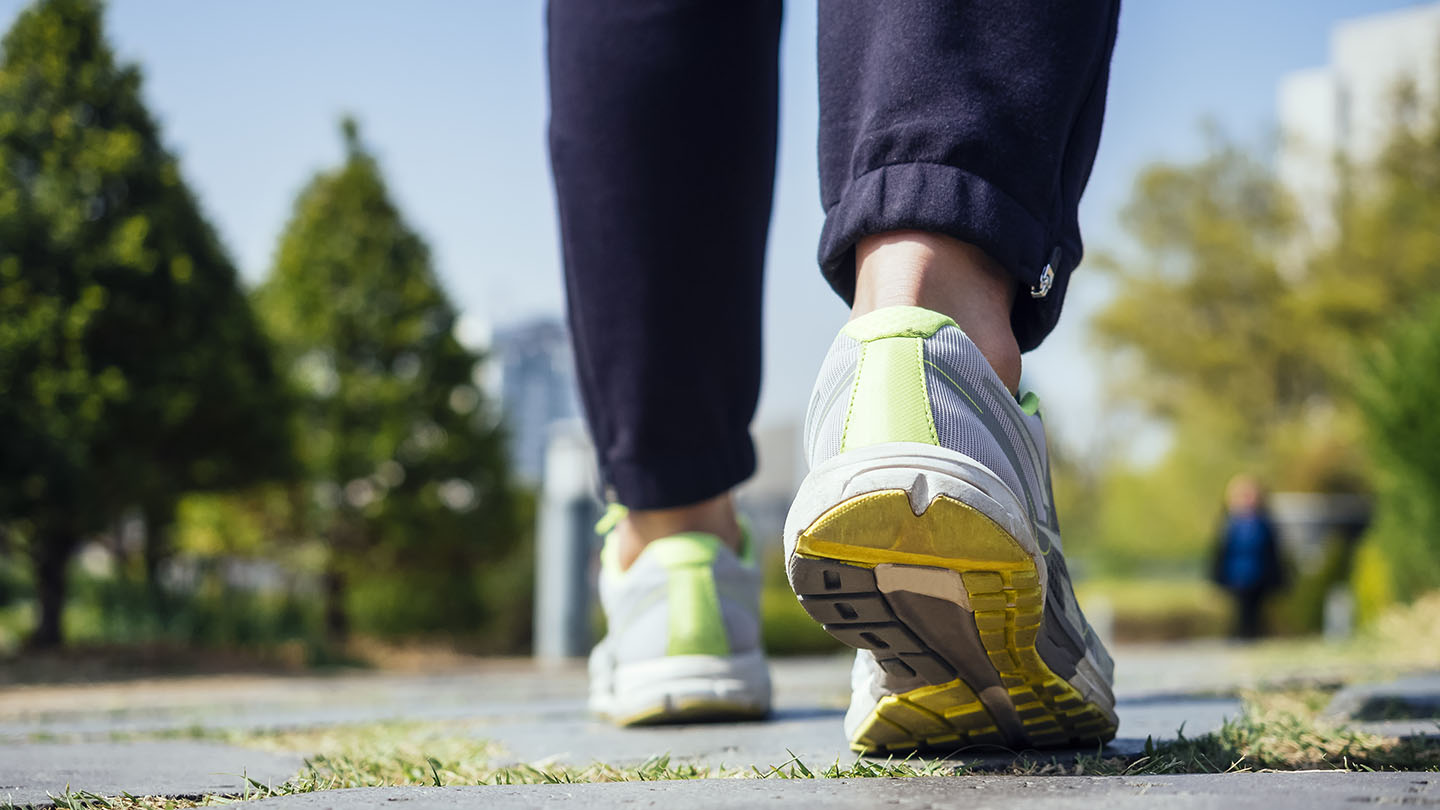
(1260, 791)
(52, 737)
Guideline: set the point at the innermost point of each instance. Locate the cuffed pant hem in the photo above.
(948, 200)
(679, 480)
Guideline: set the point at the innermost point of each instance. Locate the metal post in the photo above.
(564, 542)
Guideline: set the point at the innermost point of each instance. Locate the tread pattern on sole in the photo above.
(1008, 612)
(941, 717)
(937, 709)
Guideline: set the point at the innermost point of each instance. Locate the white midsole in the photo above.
(924, 472)
(742, 681)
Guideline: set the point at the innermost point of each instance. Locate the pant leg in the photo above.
(978, 119)
(663, 117)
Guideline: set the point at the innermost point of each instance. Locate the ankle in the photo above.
(642, 526)
(954, 278)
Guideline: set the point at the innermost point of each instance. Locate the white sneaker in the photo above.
(925, 536)
(683, 638)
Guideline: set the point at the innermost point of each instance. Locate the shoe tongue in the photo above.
(896, 322)
(685, 548)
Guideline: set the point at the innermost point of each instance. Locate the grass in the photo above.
(1282, 731)
(1277, 731)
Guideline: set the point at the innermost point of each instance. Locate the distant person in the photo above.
(1247, 555)
(955, 141)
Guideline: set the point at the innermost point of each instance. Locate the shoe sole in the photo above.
(689, 689)
(951, 605)
(681, 710)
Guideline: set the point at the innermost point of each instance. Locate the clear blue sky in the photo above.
(451, 96)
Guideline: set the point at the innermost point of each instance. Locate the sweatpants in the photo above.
(978, 120)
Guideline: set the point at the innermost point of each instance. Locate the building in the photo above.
(533, 379)
(1345, 109)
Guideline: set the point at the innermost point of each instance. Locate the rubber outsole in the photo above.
(958, 650)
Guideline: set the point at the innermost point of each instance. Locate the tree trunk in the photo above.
(337, 621)
(159, 517)
(50, 556)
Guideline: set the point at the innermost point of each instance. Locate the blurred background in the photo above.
(285, 381)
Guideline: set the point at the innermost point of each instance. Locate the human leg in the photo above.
(955, 141)
(977, 121)
(1248, 616)
(662, 140)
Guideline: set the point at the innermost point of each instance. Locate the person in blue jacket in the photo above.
(1247, 556)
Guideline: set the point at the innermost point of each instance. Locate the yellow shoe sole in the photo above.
(959, 648)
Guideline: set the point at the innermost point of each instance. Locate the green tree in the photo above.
(1385, 273)
(1383, 267)
(412, 495)
(130, 362)
(1253, 355)
(1207, 321)
(1398, 396)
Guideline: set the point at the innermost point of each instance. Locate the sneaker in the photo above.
(683, 637)
(925, 536)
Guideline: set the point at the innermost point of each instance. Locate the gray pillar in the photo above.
(564, 540)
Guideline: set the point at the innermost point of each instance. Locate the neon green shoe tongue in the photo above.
(896, 322)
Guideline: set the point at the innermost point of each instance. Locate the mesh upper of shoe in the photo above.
(951, 361)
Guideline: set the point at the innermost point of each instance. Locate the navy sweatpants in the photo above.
(977, 119)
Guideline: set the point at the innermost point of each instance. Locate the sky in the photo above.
(450, 96)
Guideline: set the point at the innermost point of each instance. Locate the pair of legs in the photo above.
(955, 141)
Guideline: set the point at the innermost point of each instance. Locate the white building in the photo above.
(534, 380)
(1346, 108)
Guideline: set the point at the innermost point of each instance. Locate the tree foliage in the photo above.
(1254, 354)
(131, 366)
(1399, 397)
(1390, 257)
(395, 437)
(1214, 331)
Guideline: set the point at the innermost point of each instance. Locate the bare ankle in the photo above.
(916, 268)
(642, 526)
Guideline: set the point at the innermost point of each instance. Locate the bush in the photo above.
(212, 613)
(1398, 398)
(1372, 582)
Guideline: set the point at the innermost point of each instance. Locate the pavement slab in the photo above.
(1261, 791)
(92, 738)
(1413, 698)
(813, 735)
(31, 773)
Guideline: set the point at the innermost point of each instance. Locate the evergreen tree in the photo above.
(131, 365)
(407, 468)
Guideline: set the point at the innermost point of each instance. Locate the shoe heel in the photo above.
(950, 605)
